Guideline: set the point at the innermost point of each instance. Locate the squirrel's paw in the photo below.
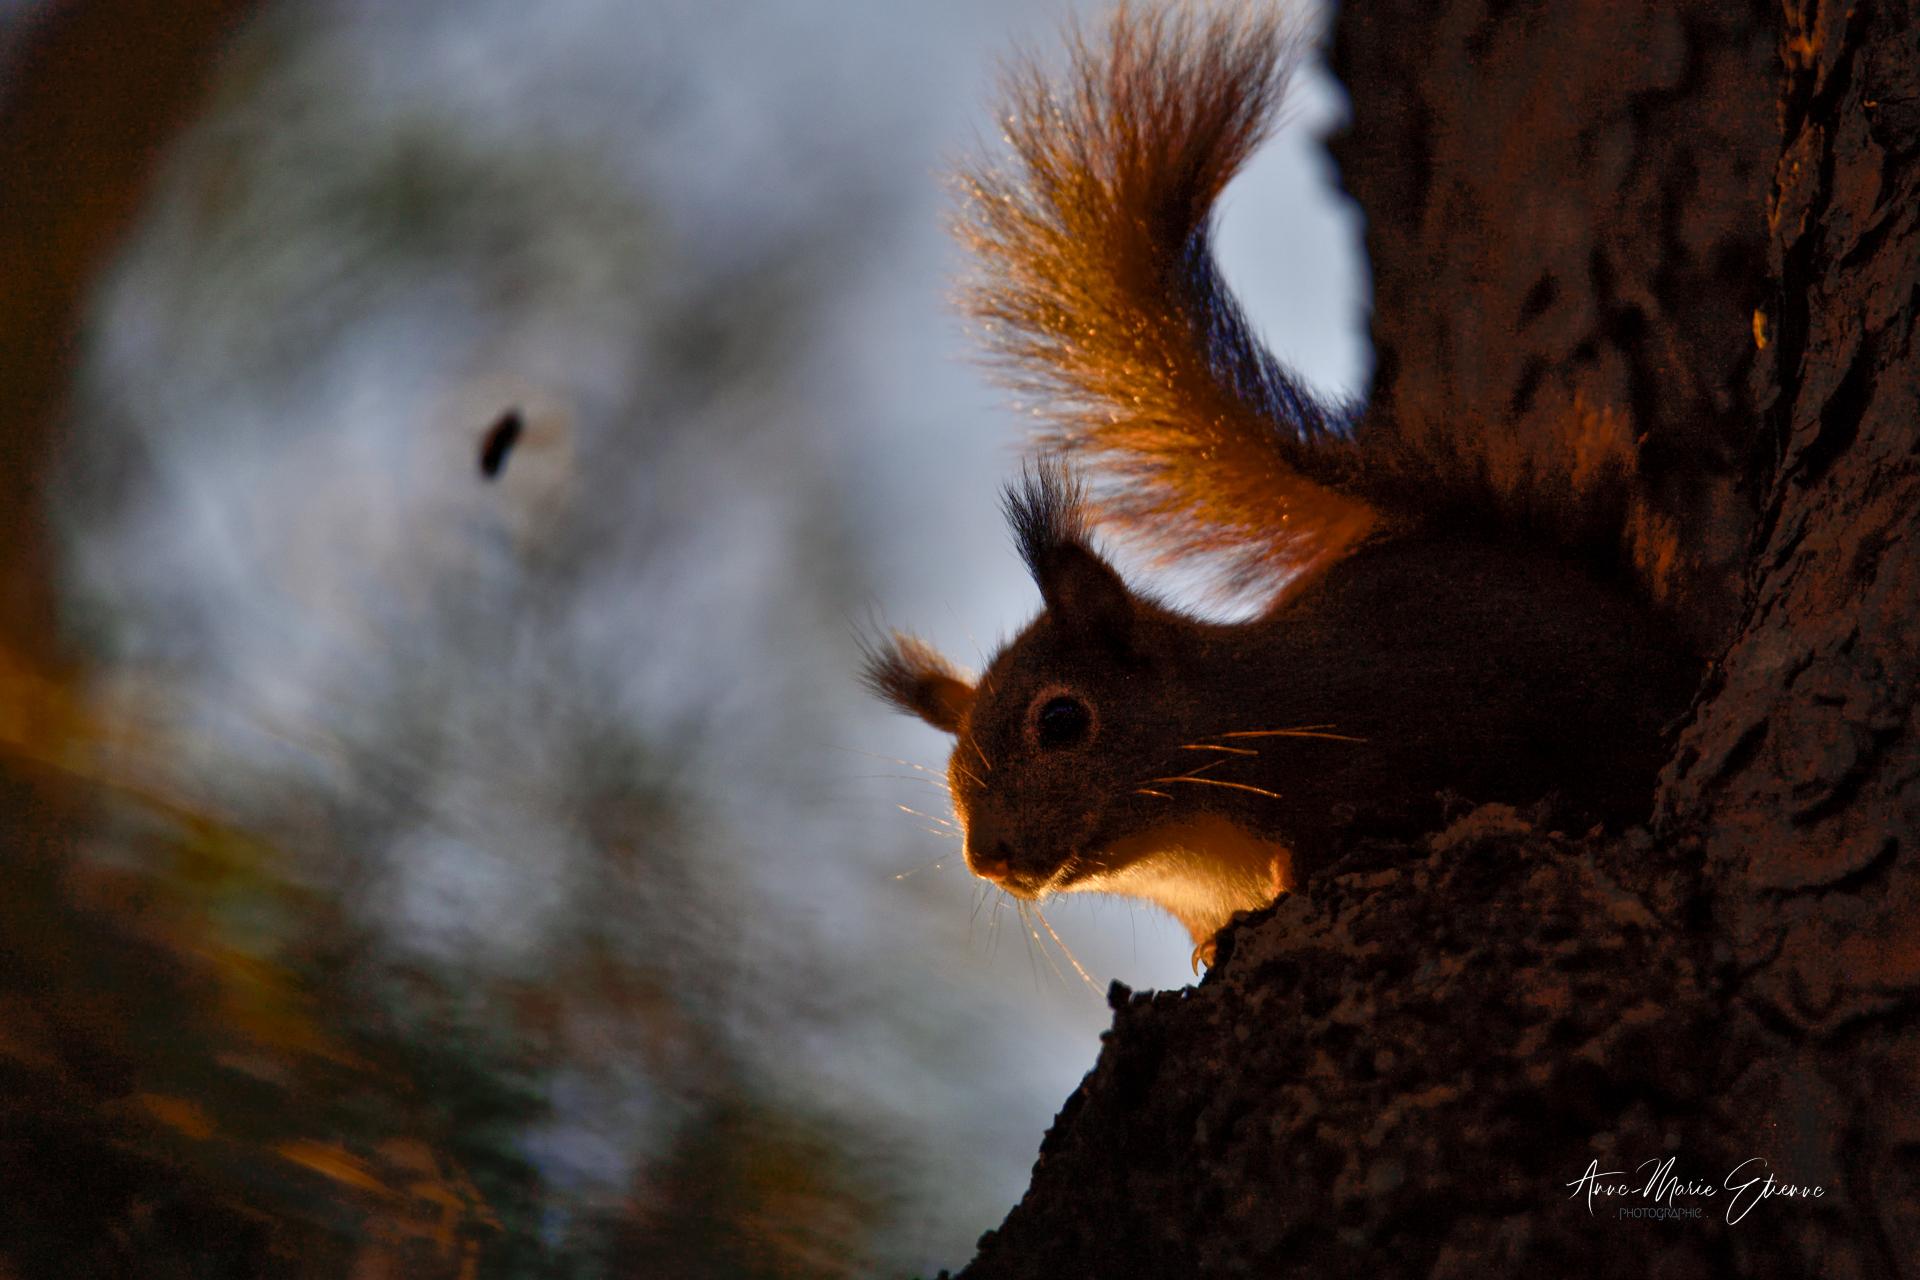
(1280, 879)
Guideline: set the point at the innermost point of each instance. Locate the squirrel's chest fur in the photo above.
(1200, 868)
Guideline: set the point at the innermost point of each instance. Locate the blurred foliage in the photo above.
(371, 910)
(183, 1095)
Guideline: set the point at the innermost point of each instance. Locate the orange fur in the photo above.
(1100, 297)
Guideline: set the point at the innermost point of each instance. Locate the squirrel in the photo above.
(1450, 611)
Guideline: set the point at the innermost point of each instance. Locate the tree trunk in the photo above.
(90, 94)
(1709, 217)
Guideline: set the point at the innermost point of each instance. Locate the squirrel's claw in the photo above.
(1203, 955)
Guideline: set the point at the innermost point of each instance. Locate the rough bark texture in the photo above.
(1709, 215)
(1800, 773)
(1564, 207)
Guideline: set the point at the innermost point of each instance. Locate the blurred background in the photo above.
(504, 874)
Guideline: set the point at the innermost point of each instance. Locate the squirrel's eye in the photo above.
(1063, 722)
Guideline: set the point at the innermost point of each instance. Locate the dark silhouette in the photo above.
(499, 442)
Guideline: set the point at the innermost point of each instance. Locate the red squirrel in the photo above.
(1451, 610)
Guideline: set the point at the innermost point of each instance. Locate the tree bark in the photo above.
(1709, 216)
(1799, 776)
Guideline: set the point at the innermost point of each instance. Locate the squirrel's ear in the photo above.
(1047, 510)
(1083, 592)
(908, 673)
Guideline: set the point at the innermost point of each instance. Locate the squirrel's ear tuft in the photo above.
(909, 673)
(1047, 510)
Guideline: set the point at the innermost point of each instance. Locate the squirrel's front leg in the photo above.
(1280, 879)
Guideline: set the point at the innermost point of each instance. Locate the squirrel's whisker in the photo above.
(1028, 911)
(1027, 938)
(1194, 773)
(1255, 733)
(1214, 746)
(875, 755)
(914, 871)
(903, 777)
(1217, 782)
(1311, 731)
(1148, 791)
(945, 822)
(979, 900)
(1067, 951)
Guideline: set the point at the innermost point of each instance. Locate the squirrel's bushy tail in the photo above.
(1097, 285)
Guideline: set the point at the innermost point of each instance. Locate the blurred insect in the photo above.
(499, 442)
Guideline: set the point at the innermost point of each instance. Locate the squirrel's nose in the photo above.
(994, 863)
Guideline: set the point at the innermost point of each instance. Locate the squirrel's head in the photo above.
(1057, 744)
